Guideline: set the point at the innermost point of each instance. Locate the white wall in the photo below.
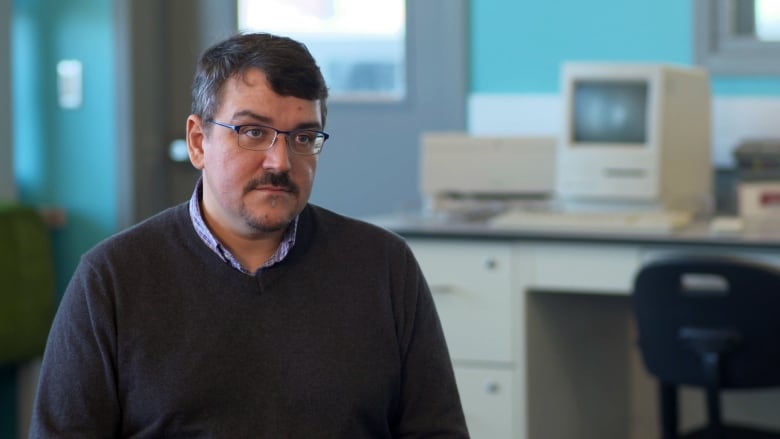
(734, 118)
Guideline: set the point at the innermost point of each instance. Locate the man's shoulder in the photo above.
(152, 231)
(342, 225)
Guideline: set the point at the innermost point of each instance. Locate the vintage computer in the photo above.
(637, 135)
(634, 147)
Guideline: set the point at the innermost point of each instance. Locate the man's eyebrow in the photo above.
(265, 120)
(252, 115)
(309, 126)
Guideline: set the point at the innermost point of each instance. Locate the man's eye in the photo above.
(253, 132)
(304, 138)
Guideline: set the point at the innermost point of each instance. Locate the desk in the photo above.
(540, 328)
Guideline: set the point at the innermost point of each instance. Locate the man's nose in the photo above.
(278, 155)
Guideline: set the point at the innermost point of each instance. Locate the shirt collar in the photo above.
(208, 238)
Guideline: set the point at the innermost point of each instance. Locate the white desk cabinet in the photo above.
(487, 396)
(541, 334)
(471, 284)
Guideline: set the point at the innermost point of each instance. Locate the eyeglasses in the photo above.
(262, 138)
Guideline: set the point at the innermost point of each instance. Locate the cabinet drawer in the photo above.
(591, 269)
(471, 285)
(486, 396)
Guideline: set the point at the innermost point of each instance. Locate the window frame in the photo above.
(721, 51)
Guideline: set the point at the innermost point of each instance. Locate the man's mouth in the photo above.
(274, 188)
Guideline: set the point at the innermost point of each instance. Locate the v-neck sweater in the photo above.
(156, 336)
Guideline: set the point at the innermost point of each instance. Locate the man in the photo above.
(248, 312)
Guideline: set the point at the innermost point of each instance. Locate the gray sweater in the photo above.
(157, 337)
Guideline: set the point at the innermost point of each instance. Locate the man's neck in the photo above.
(251, 249)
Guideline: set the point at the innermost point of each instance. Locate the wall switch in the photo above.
(69, 83)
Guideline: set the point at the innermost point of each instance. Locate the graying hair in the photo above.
(288, 65)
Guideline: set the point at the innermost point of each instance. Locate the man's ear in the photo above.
(195, 138)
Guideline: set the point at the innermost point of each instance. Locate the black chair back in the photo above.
(734, 302)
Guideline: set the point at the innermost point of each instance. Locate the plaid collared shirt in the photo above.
(211, 241)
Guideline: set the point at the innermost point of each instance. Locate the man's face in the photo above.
(245, 192)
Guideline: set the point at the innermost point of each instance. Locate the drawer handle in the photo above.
(443, 289)
(492, 387)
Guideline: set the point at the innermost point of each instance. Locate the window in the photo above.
(767, 20)
(359, 44)
(738, 36)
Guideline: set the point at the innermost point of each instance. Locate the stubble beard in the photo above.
(262, 223)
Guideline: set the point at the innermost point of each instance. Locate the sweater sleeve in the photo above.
(77, 386)
(431, 406)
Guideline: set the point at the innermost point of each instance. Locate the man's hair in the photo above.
(289, 67)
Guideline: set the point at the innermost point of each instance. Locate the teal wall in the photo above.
(62, 158)
(517, 45)
(66, 158)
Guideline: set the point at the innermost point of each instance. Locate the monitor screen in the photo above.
(610, 112)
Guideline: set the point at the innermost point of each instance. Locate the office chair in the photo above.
(712, 323)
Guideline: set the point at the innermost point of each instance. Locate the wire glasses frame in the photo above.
(255, 137)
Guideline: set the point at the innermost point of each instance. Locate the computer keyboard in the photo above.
(606, 222)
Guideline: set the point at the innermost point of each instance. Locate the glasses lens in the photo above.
(306, 141)
(261, 138)
(256, 137)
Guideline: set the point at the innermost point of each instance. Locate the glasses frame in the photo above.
(287, 134)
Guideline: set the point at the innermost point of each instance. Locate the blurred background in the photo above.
(94, 95)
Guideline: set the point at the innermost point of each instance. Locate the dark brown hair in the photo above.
(288, 65)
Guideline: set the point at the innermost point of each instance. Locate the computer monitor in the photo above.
(635, 136)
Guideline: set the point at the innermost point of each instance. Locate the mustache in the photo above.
(279, 180)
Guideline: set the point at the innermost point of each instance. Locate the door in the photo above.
(370, 164)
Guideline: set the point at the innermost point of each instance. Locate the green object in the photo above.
(27, 296)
